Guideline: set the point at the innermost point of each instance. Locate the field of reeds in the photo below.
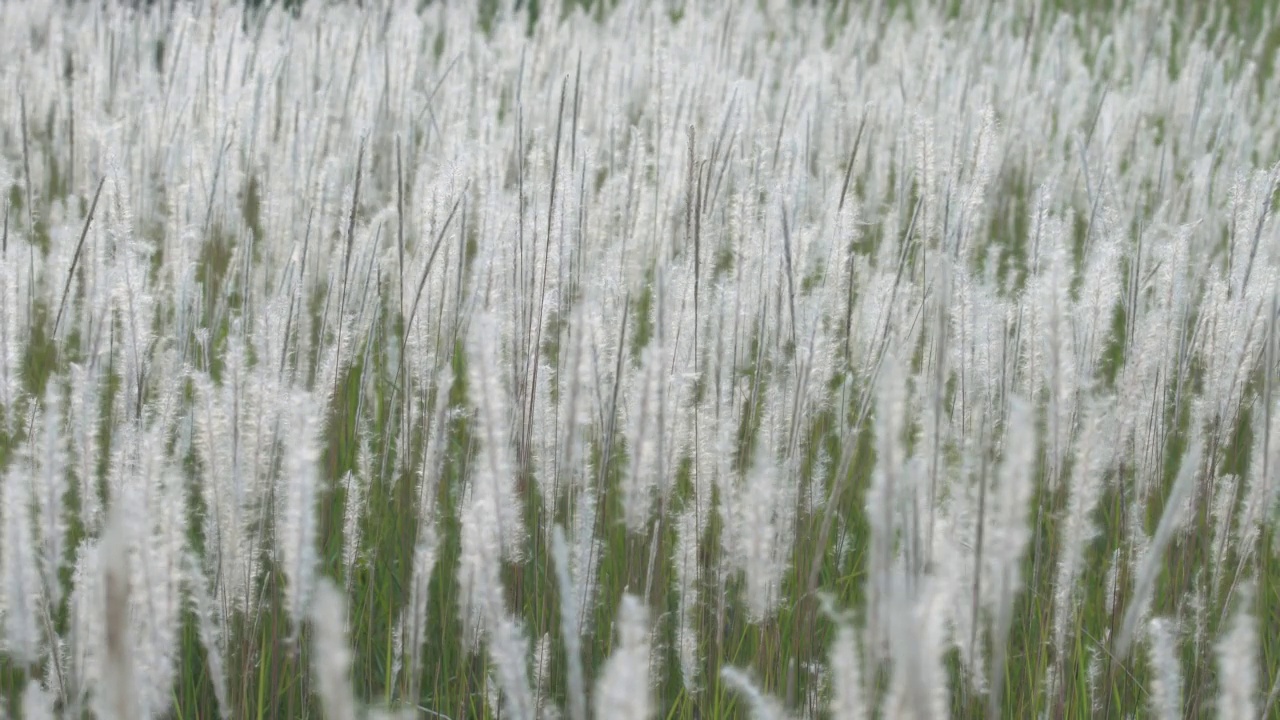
(639, 360)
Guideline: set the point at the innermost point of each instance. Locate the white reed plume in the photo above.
(37, 702)
(764, 534)
(1259, 494)
(223, 442)
(570, 626)
(1166, 683)
(541, 674)
(917, 617)
(22, 597)
(357, 486)
(884, 499)
(1170, 520)
(509, 650)
(1010, 508)
(150, 498)
(1052, 357)
(848, 696)
(585, 557)
(51, 490)
(83, 414)
(685, 563)
(479, 566)
(1223, 502)
(296, 525)
(116, 695)
(331, 655)
(413, 619)
(213, 635)
(623, 689)
(481, 604)
(576, 393)
(131, 297)
(12, 340)
(85, 636)
(494, 480)
(1092, 461)
(760, 705)
(647, 418)
(1238, 664)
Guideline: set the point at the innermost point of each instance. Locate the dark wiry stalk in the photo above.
(422, 281)
(791, 285)
(346, 259)
(31, 233)
(525, 452)
(75, 258)
(403, 371)
(607, 454)
(295, 302)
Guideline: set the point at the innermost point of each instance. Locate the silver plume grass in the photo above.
(296, 528)
(623, 689)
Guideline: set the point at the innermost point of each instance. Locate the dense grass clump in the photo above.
(638, 360)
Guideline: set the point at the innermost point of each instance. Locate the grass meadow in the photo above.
(639, 360)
